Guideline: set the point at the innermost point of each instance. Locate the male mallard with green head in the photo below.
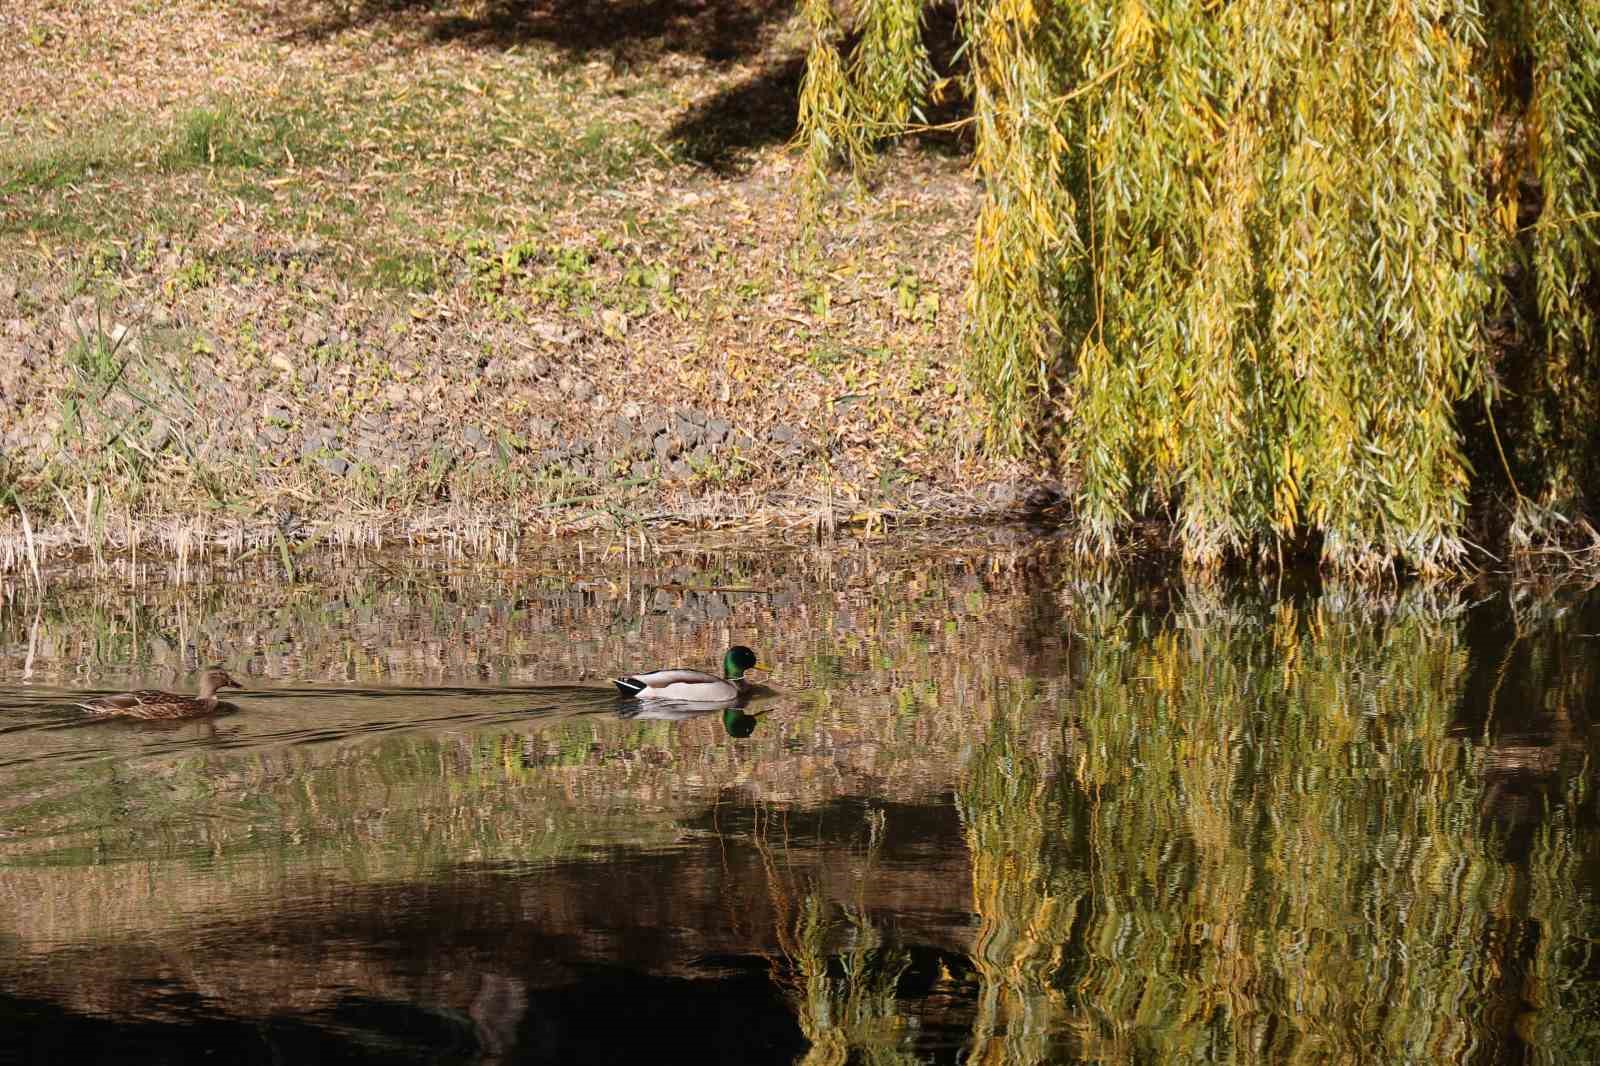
(695, 686)
(150, 703)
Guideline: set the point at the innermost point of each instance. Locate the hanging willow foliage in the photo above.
(847, 110)
(889, 69)
(1029, 264)
(829, 123)
(1235, 260)
(1564, 144)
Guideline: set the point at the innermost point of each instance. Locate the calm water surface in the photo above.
(993, 812)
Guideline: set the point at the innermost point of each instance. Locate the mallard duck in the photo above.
(695, 686)
(150, 703)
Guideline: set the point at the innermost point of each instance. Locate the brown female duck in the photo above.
(149, 703)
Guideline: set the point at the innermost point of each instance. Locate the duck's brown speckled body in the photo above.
(150, 703)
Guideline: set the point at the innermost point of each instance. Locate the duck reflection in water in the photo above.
(735, 719)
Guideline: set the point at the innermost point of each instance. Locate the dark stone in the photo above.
(474, 437)
(782, 434)
(687, 431)
(662, 602)
(1041, 497)
(640, 470)
(274, 434)
(666, 448)
(717, 431)
(335, 465)
(540, 428)
(679, 470)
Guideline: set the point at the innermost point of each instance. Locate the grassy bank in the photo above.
(321, 271)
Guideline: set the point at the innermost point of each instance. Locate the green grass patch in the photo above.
(54, 168)
(94, 355)
(400, 271)
(223, 136)
(61, 223)
(43, 166)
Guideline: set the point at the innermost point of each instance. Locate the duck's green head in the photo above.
(738, 660)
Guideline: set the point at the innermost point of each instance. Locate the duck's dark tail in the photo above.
(629, 686)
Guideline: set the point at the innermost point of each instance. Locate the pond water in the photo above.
(994, 811)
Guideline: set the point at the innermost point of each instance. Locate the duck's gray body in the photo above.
(687, 686)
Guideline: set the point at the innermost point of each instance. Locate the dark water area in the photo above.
(991, 811)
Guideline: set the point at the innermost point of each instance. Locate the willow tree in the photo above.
(1278, 269)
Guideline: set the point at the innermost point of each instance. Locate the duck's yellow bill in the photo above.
(761, 666)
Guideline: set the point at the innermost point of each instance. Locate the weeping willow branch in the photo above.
(1236, 263)
(829, 128)
(889, 69)
(1028, 260)
(847, 111)
(1564, 140)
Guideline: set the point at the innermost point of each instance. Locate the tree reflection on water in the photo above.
(997, 812)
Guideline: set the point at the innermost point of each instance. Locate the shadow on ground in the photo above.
(718, 132)
(722, 31)
(762, 109)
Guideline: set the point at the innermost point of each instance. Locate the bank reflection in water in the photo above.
(995, 814)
